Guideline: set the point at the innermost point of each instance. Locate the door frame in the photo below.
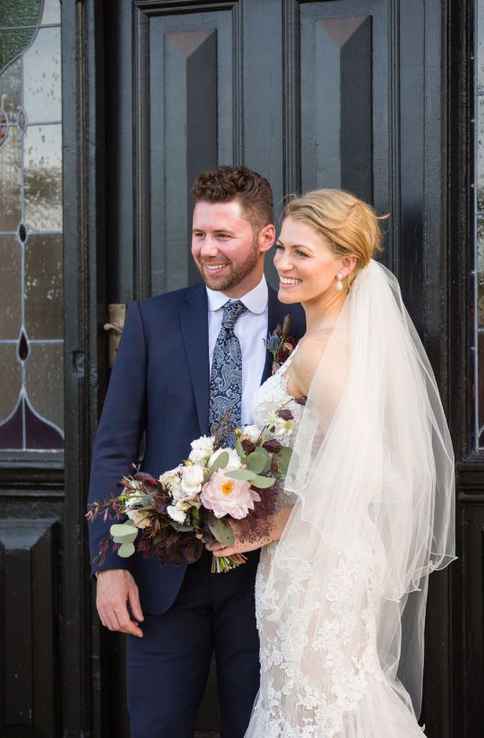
(85, 712)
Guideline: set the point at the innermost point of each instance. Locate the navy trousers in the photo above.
(167, 669)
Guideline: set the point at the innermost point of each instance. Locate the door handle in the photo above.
(114, 326)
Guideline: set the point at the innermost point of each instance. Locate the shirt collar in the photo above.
(255, 301)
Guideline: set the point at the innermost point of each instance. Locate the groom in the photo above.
(167, 382)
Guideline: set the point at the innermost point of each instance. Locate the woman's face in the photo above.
(306, 265)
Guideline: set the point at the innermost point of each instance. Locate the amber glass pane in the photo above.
(10, 288)
(42, 77)
(10, 368)
(43, 178)
(43, 287)
(45, 381)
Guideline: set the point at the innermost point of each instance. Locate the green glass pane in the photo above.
(43, 177)
(45, 385)
(20, 12)
(10, 379)
(43, 287)
(52, 12)
(42, 75)
(10, 180)
(12, 43)
(10, 288)
(11, 87)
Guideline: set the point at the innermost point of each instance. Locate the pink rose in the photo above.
(225, 496)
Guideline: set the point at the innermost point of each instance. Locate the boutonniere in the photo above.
(281, 344)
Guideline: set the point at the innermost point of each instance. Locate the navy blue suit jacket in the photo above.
(159, 386)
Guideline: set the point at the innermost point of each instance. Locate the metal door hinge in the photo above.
(116, 318)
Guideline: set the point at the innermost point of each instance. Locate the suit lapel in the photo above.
(194, 325)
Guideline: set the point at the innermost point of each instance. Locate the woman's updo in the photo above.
(349, 224)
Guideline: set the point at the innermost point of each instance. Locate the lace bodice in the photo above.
(272, 396)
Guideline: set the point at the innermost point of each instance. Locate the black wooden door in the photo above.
(346, 93)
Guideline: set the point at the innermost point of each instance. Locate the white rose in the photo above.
(192, 480)
(251, 433)
(171, 478)
(139, 517)
(234, 458)
(280, 429)
(175, 514)
(202, 448)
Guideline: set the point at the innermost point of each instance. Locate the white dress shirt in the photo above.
(251, 330)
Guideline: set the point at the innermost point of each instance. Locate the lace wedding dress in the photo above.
(331, 593)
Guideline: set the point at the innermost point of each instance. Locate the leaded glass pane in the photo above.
(43, 177)
(480, 153)
(31, 309)
(20, 13)
(10, 289)
(43, 287)
(10, 181)
(11, 87)
(44, 378)
(52, 12)
(42, 78)
(11, 380)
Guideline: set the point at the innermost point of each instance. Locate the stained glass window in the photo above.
(31, 259)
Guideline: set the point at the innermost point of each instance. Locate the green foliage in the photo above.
(126, 550)
(259, 461)
(221, 531)
(220, 462)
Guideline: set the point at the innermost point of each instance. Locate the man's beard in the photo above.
(235, 275)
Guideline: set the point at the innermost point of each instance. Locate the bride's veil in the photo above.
(373, 474)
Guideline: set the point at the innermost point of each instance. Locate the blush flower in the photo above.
(225, 496)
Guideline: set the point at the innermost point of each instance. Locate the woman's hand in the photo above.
(277, 525)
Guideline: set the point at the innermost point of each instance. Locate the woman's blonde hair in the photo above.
(350, 225)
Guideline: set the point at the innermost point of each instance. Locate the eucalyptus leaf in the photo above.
(123, 530)
(125, 539)
(257, 460)
(220, 462)
(221, 531)
(126, 550)
(240, 450)
(283, 459)
(263, 482)
(245, 475)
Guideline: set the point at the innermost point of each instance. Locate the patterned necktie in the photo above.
(226, 375)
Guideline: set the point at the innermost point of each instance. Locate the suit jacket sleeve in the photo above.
(120, 429)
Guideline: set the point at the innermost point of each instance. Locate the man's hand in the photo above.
(116, 589)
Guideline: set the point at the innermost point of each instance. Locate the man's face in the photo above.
(227, 252)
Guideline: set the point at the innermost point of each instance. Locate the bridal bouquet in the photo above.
(174, 516)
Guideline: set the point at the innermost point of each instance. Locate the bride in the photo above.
(368, 505)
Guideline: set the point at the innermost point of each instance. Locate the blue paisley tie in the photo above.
(226, 375)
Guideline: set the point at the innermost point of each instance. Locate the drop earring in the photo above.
(339, 283)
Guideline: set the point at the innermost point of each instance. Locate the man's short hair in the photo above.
(224, 184)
